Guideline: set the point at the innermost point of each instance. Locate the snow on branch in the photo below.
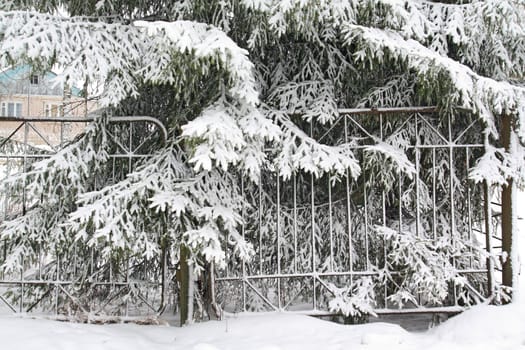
(226, 135)
(163, 196)
(223, 139)
(122, 55)
(205, 240)
(497, 166)
(395, 155)
(23, 232)
(355, 300)
(313, 100)
(475, 28)
(299, 151)
(115, 213)
(100, 51)
(303, 14)
(69, 167)
(397, 92)
(483, 95)
(203, 40)
(258, 130)
(425, 266)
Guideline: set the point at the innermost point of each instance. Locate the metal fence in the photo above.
(310, 234)
(57, 282)
(313, 234)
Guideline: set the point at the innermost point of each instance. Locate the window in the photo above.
(53, 110)
(34, 79)
(11, 109)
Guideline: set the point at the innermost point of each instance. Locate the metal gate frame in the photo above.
(23, 151)
(252, 280)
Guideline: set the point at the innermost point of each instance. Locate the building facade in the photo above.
(25, 92)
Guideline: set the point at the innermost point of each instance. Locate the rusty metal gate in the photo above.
(313, 236)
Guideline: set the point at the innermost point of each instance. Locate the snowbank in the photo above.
(486, 326)
(483, 327)
(274, 331)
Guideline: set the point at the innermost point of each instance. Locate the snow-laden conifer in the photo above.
(256, 86)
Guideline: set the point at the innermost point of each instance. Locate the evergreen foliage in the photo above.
(253, 86)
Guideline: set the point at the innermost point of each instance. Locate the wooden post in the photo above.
(506, 207)
(214, 310)
(183, 277)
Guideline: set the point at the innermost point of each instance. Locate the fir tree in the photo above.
(235, 76)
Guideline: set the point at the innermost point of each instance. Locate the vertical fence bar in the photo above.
(146, 276)
(113, 160)
(416, 179)
(128, 285)
(469, 207)
(24, 203)
(40, 264)
(94, 273)
(383, 217)
(294, 223)
(111, 284)
(57, 278)
(434, 214)
(24, 184)
(400, 195)
(314, 267)
(62, 132)
(385, 253)
(488, 239)
(260, 226)
(75, 253)
(348, 208)
(451, 180)
(312, 199)
(130, 151)
(278, 240)
(6, 203)
(365, 197)
(418, 195)
(330, 225)
(22, 286)
(452, 209)
(243, 233)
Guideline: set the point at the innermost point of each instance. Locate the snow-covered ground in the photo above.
(482, 327)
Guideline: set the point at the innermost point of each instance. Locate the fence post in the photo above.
(183, 277)
(506, 207)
